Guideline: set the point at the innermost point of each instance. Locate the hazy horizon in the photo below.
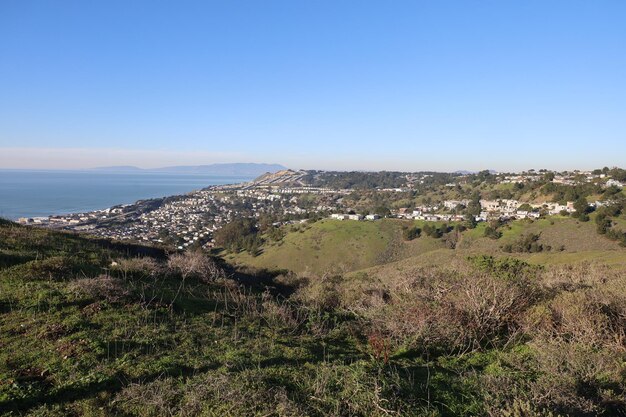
(406, 86)
(90, 159)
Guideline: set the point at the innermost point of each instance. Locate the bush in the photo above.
(492, 233)
(527, 243)
(55, 268)
(410, 233)
(136, 267)
(441, 312)
(433, 231)
(104, 287)
(194, 264)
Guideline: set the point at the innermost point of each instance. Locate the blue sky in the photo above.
(413, 85)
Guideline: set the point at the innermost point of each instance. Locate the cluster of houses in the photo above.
(74, 219)
(340, 216)
(563, 178)
(490, 209)
(184, 221)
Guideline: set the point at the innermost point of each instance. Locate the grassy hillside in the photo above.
(331, 246)
(94, 328)
(89, 329)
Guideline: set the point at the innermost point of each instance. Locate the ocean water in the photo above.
(42, 193)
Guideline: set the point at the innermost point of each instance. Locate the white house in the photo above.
(355, 217)
(614, 182)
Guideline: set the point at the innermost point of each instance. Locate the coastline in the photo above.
(43, 193)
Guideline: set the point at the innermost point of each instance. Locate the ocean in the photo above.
(42, 193)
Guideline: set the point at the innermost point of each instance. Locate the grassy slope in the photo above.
(215, 352)
(335, 246)
(64, 352)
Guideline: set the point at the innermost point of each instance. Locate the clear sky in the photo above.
(406, 85)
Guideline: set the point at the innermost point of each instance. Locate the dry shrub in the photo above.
(142, 267)
(579, 275)
(589, 316)
(355, 391)
(322, 292)
(274, 311)
(586, 304)
(102, 287)
(434, 308)
(578, 378)
(278, 313)
(194, 264)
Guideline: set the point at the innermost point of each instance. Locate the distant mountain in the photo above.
(464, 172)
(234, 169)
(121, 168)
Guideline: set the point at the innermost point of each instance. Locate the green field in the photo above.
(331, 246)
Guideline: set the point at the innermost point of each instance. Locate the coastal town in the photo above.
(288, 196)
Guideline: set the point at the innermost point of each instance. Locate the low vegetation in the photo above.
(91, 328)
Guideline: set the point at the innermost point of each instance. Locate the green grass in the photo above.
(64, 352)
(329, 246)
(217, 350)
(222, 348)
(333, 246)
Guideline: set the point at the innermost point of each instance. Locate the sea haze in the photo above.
(41, 193)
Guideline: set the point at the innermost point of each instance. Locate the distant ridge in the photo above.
(465, 172)
(227, 169)
(121, 168)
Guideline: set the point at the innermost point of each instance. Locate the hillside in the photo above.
(89, 328)
(331, 246)
(92, 327)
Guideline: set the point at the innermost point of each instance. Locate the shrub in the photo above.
(137, 267)
(56, 268)
(194, 264)
(437, 311)
(411, 233)
(492, 233)
(526, 243)
(104, 287)
(577, 379)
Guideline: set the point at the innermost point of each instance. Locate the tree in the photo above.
(470, 221)
(582, 209)
(618, 174)
(492, 233)
(603, 224)
(432, 231)
(474, 205)
(237, 235)
(411, 233)
(382, 211)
